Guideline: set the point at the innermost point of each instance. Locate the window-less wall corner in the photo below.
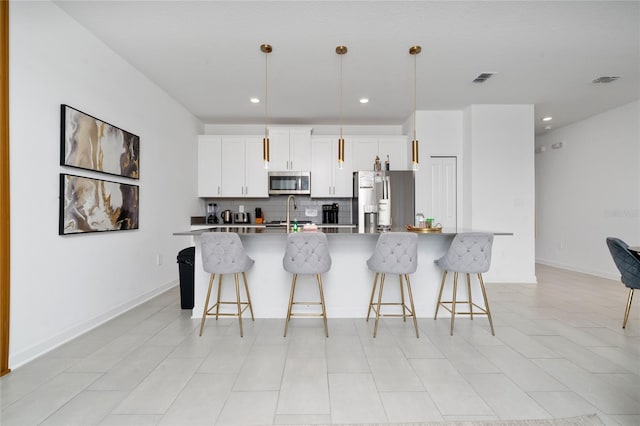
(4, 189)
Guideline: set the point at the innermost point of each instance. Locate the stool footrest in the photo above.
(227, 314)
(481, 310)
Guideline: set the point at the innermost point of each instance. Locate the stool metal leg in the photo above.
(444, 276)
(404, 316)
(375, 328)
(413, 309)
(246, 288)
(486, 303)
(469, 291)
(206, 304)
(373, 291)
(218, 296)
(324, 310)
(628, 308)
(293, 290)
(238, 302)
(453, 304)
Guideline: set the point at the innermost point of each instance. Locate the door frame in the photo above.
(5, 209)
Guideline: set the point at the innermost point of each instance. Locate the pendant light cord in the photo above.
(266, 92)
(341, 96)
(415, 85)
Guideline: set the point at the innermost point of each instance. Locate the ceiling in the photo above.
(206, 55)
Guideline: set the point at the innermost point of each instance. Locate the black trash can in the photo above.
(186, 259)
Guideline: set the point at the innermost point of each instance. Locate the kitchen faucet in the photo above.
(295, 207)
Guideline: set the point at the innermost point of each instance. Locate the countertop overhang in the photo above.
(251, 230)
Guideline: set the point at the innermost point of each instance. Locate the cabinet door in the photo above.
(255, 175)
(232, 168)
(300, 149)
(365, 150)
(278, 149)
(322, 151)
(209, 162)
(343, 178)
(396, 147)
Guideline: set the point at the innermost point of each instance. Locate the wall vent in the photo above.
(606, 79)
(481, 78)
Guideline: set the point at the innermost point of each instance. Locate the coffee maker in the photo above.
(330, 213)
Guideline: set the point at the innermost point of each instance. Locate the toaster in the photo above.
(242, 217)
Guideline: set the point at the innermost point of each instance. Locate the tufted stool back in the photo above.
(469, 253)
(223, 253)
(307, 253)
(395, 253)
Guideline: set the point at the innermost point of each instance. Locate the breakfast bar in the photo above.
(347, 286)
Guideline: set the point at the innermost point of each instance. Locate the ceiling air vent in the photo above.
(481, 78)
(606, 79)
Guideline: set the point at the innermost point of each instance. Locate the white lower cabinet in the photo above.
(242, 168)
(327, 179)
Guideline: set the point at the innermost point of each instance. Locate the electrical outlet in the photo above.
(159, 259)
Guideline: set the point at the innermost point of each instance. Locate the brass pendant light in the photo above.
(415, 156)
(341, 50)
(266, 49)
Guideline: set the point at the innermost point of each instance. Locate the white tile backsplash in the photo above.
(274, 207)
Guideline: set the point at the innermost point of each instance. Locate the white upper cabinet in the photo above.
(209, 162)
(290, 148)
(327, 179)
(397, 148)
(242, 168)
(366, 148)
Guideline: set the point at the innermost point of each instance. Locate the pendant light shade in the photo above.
(415, 155)
(266, 49)
(341, 50)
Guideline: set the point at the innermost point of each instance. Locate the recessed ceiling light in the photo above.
(364, 100)
(547, 127)
(547, 118)
(255, 100)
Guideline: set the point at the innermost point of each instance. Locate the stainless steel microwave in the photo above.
(289, 183)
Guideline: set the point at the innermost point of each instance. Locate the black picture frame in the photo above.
(96, 205)
(89, 143)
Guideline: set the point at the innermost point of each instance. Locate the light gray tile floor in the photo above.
(559, 351)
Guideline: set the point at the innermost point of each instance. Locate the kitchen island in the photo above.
(347, 286)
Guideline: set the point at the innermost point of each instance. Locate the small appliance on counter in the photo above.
(242, 217)
(212, 213)
(259, 217)
(227, 216)
(330, 213)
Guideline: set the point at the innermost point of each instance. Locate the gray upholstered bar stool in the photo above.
(469, 253)
(223, 253)
(395, 253)
(307, 253)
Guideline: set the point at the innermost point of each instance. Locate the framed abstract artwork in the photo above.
(92, 144)
(95, 205)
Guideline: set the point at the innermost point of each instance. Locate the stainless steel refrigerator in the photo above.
(369, 187)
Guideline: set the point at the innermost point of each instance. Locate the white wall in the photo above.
(439, 133)
(589, 190)
(63, 285)
(500, 194)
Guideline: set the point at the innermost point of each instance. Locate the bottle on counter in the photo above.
(386, 163)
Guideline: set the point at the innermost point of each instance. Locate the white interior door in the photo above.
(443, 191)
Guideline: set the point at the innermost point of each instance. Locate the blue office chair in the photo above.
(629, 267)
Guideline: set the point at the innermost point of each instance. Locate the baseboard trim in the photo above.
(20, 358)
